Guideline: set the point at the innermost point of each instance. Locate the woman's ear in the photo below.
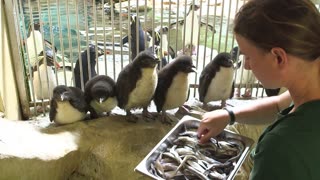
(280, 55)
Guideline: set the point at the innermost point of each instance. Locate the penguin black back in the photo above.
(130, 74)
(182, 63)
(135, 22)
(85, 68)
(221, 60)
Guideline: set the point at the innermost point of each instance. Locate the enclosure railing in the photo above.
(103, 36)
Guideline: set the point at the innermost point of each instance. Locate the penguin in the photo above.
(85, 68)
(136, 84)
(216, 81)
(100, 95)
(135, 23)
(36, 46)
(190, 29)
(172, 89)
(67, 105)
(44, 78)
(160, 39)
(191, 34)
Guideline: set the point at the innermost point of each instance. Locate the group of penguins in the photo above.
(138, 84)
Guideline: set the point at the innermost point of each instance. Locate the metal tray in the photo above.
(188, 122)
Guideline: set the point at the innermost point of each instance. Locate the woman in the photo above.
(281, 44)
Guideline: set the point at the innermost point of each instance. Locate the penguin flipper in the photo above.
(122, 88)
(53, 110)
(125, 39)
(161, 90)
(78, 100)
(204, 83)
(232, 90)
(211, 28)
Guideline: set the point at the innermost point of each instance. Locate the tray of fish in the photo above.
(179, 155)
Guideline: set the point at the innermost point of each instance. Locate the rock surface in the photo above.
(105, 148)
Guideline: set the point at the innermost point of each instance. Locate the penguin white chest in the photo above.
(66, 113)
(220, 86)
(44, 81)
(106, 106)
(191, 33)
(177, 92)
(144, 90)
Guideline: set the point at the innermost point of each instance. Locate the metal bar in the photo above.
(184, 27)
(145, 21)
(79, 48)
(69, 40)
(221, 21)
(152, 24)
(177, 23)
(104, 40)
(36, 54)
(137, 28)
(169, 34)
(206, 36)
(61, 42)
(161, 34)
(197, 61)
(44, 58)
(94, 7)
(233, 38)
(85, 7)
(51, 37)
(112, 37)
(214, 25)
(129, 31)
(121, 34)
(228, 22)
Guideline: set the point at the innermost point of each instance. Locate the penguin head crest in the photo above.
(223, 59)
(146, 59)
(184, 63)
(62, 93)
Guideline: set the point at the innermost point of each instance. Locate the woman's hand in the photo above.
(212, 124)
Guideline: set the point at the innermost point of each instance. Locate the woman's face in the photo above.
(261, 63)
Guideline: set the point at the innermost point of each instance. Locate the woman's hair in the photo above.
(293, 25)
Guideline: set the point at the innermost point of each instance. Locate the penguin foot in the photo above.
(132, 118)
(147, 115)
(166, 119)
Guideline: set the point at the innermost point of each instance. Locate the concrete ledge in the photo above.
(105, 148)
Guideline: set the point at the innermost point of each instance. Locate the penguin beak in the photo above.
(193, 69)
(63, 97)
(101, 100)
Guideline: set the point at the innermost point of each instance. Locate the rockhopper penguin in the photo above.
(216, 80)
(84, 65)
(100, 95)
(137, 82)
(44, 78)
(173, 85)
(67, 105)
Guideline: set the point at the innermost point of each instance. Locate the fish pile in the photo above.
(188, 159)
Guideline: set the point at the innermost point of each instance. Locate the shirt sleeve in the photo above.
(277, 160)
